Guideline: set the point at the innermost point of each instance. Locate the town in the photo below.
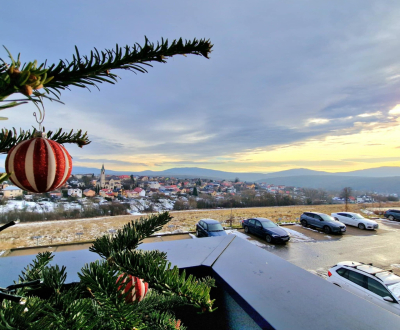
(88, 195)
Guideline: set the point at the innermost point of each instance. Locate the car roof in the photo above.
(387, 277)
(319, 213)
(209, 221)
(262, 219)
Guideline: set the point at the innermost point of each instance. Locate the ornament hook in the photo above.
(41, 114)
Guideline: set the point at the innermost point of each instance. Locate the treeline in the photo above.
(245, 200)
(62, 214)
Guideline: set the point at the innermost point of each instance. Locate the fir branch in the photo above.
(158, 301)
(130, 236)
(4, 177)
(100, 279)
(160, 275)
(10, 138)
(73, 314)
(85, 71)
(15, 316)
(34, 271)
(162, 321)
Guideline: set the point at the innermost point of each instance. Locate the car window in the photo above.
(215, 227)
(309, 214)
(343, 272)
(269, 224)
(327, 217)
(377, 288)
(252, 221)
(317, 217)
(204, 225)
(357, 278)
(201, 224)
(342, 214)
(258, 224)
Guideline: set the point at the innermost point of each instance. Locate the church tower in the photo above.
(102, 177)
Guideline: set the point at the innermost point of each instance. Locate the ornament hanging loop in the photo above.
(42, 114)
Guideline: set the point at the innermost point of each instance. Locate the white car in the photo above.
(355, 219)
(374, 284)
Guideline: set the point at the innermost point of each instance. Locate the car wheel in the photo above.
(304, 223)
(391, 217)
(268, 238)
(361, 226)
(246, 229)
(327, 230)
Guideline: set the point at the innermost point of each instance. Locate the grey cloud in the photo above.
(374, 160)
(273, 67)
(108, 161)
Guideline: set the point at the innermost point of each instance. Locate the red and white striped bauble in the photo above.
(137, 286)
(39, 165)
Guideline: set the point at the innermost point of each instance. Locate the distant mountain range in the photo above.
(380, 179)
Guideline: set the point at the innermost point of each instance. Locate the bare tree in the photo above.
(346, 193)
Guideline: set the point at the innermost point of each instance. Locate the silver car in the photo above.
(322, 221)
(379, 286)
(355, 219)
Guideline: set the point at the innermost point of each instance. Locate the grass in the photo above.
(64, 231)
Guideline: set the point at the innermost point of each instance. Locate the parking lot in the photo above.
(316, 251)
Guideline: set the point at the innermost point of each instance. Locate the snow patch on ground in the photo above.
(321, 272)
(298, 237)
(389, 221)
(308, 228)
(368, 212)
(246, 237)
(395, 265)
(192, 235)
(2, 252)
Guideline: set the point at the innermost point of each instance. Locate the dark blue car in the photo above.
(267, 229)
(209, 228)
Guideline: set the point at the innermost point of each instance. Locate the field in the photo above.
(65, 231)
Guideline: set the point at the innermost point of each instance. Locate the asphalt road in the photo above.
(320, 252)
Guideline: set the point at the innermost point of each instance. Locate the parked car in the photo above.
(267, 229)
(355, 219)
(392, 215)
(209, 228)
(374, 284)
(323, 221)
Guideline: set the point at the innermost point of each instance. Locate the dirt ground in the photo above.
(65, 231)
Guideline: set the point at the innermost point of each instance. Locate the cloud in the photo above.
(278, 76)
(107, 161)
(374, 160)
(395, 110)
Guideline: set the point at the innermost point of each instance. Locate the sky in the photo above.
(289, 84)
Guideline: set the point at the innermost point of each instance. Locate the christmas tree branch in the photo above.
(160, 275)
(130, 236)
(85, 71)
(10, 138)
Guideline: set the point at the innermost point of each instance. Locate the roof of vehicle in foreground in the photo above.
(386, 276)
(209, 220)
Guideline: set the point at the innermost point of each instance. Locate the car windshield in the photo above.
(215, 227)
(395, 289)
(357, 216)
(327, 217)
(268, 224)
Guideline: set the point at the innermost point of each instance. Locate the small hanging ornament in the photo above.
(137, 286)
(39, 165)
